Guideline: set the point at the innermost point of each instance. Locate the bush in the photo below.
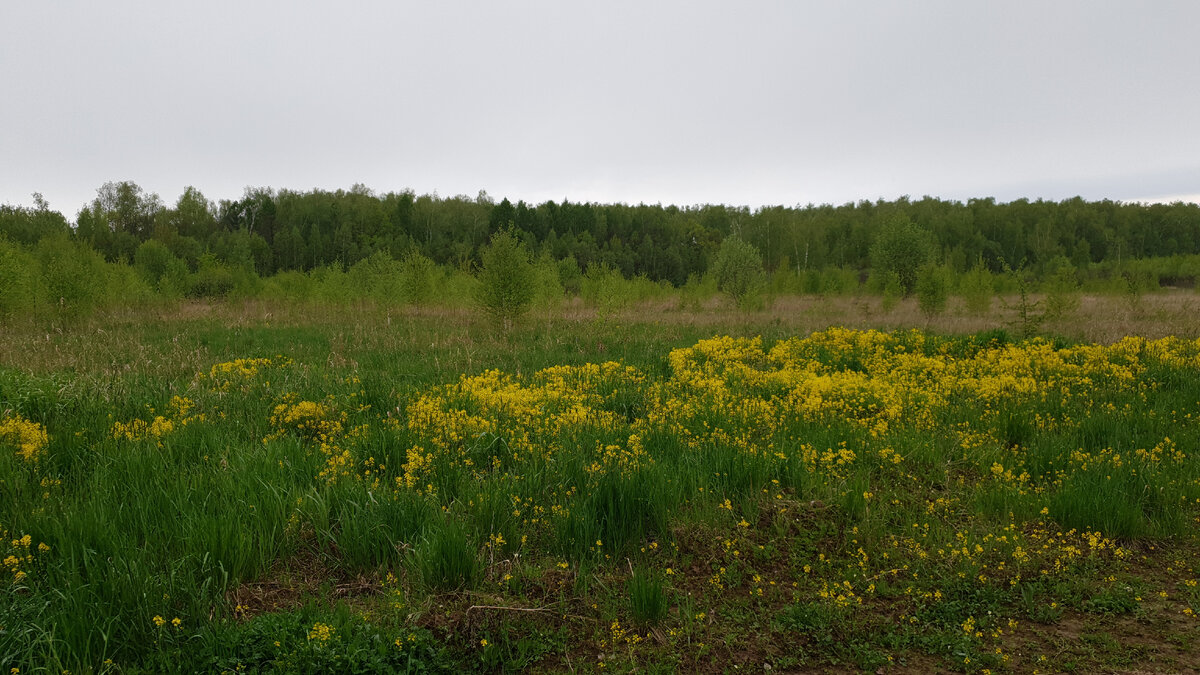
(18, 280)
(569, 275)
(1062, 290)
(738, 270)
(933, 290)
(902, 247)
(977, 289)
(416, 278)
(888, 284)
(159, 268)
(547, 289)
(213, 279)
(1029, 313)
(72, 274)
(376, 276)
(506, 279)
(603, 287)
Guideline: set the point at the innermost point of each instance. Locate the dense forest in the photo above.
(267, 232)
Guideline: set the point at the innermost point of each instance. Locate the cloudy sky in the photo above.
(675, 102)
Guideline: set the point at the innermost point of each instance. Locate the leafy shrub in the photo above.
(506, 279)
(213, 279)
(933, 290)
(376, 276)
(1062, 290)
(72, 274)
(569, 275)
(977, 289)
(18, 280)
(159, 268)
(417, 274)
(888, 284)
(902, 247)
(738, 269)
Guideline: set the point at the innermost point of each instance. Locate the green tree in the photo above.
(506, 279)
(933, 289)
(977, 289)
(1062, 289)
(127, 208)
(160, 268)
(416, 277)
(193, 215)
(738, 270)
(71, 274)
(902, 247)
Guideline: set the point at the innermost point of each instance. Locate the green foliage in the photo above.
(271, 231)
(902, 247)
(977, 290)
(26, 226)
(547, 290)
(159, 268)
(606, 289)
(376, 277)
(445, 560)
(888, 284)
(1062, 290)
(696, 291)
(506, 279)
(417, 277)
(569, 275)
(18, 280)
(933, 289)
(72, 275)
(647, 597)
(738, 270)
(213, 279)
(1133, 286)
(1028, 313)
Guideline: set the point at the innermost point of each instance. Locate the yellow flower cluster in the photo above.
(27, 439)
(240, 374)
(322, 424)
(321, 633)
(20, 556)
(178, 416)
(880, 380)
(737, 399)
(309, 420)
(492, 421)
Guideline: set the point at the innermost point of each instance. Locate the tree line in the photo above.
(269, 231)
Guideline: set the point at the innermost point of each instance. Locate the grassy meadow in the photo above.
(827, 485)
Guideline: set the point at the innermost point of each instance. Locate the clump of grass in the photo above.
(619, 510)
(445, 560)
(647, 598)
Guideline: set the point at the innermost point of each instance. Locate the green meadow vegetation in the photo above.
(495, 458)
(290, 487)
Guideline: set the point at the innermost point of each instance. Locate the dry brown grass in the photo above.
(170, 341)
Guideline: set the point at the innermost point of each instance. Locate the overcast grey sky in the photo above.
(674, 102)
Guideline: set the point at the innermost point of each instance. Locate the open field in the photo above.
(301, 488)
